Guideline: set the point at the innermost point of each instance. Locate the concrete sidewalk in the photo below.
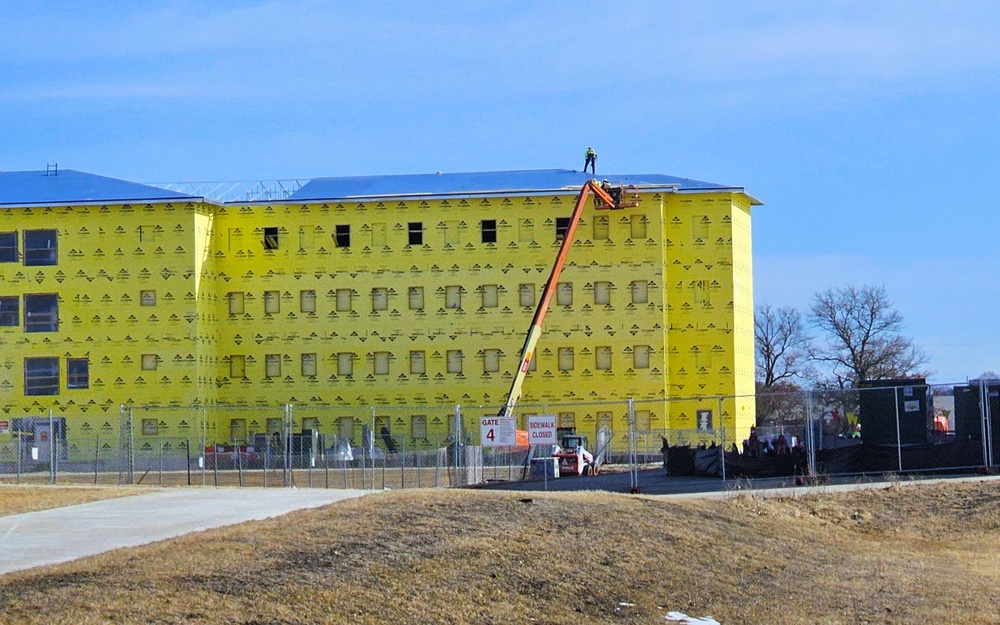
(63, 534)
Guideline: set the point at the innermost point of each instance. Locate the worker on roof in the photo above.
(590, 161)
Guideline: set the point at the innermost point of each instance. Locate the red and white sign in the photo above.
(498, 431)
(542, 430)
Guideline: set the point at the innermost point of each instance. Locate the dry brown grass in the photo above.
(906, 554)
(18, 499)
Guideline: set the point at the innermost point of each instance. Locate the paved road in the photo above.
(63, 534)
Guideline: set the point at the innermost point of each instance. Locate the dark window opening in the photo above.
(342, 236)
(41, 313)
(40, 247)
(270, 238)
(77, 373)
(489, 229)
(41, 376)
(10, 311)
(8, 247)
(416, 233)
(562, 226)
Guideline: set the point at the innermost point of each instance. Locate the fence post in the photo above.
(810, 435)
(987, 415)
(160, 454)
(633, 449)
(52, 451)
(203, 452)
(97, 456)
(722, 439)
(899, 444)
(402, 465)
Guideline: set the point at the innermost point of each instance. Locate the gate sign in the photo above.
(498, 431)
(542, 430)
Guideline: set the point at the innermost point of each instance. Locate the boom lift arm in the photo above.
(535, 331)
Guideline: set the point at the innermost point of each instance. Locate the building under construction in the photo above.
(385, 299)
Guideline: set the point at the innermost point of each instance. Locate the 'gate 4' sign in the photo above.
(498, 431)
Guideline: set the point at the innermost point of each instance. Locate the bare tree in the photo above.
(862, 336)
(782, 344)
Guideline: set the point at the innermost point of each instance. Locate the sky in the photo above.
(869, 130)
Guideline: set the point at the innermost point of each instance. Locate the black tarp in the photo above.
(851, 459)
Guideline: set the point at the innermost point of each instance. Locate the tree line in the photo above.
(848, 336)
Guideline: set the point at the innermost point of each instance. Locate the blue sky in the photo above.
(869, 130)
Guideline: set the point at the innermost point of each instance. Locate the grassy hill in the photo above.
(905, 554)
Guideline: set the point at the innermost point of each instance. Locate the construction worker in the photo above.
(591, 161)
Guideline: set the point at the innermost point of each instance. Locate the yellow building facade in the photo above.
(375, 300)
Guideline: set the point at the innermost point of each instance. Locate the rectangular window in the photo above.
(270, 238)
(565, 358)
(491, 360)
(452, 233)
(149, 362)
(345, 428)
(488, 229)
(416, 297)
(342, 235)
(415, 233)
(640, 294)
(8, 247)
(566, 420)
(379, 239)
(235, 302)
(345, 363)
(642, 419)
(344, 300)
(564, 294)
(600, 228)
(605, 419)
(41, 313)
(525, 231)
(491, 296)
(602, 293)
(147, 298)
(381, 363)
(41, 376)
(418, 427)
(10, 311)
(453, 297)
(562, 227)
(77, 373)
(237, 367)
(150, 427)
(454, 361)
(602, 357)
(308, 365)
(380, 298)
(272, 302)
(638, 227)
(307, 301)
(272, 365)
(418, 362)
(526, 293)
(640, 356)
(40, 247)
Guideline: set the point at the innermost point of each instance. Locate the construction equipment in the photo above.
(607, 197)
(573, 457)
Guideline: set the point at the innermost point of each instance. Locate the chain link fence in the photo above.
(903, 427)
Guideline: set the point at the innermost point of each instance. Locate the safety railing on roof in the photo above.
(258, 191)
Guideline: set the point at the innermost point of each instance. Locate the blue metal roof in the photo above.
(532, 181)
(30, 188)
